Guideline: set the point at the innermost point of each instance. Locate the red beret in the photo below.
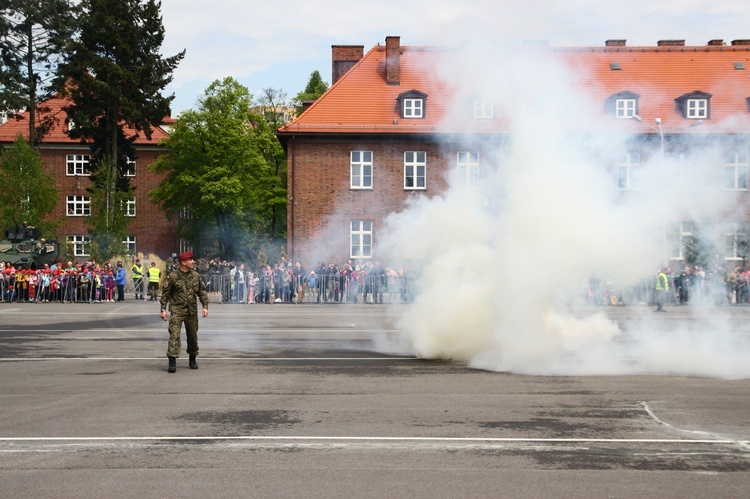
(185, 256)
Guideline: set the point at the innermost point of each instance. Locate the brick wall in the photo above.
(155, 234)
(323, 204)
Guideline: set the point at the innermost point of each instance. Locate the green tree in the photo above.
(33, 36)
(29, 193)
(218, 178)
(314, 89)
(108, 227)
(114, 77)
(274, 106)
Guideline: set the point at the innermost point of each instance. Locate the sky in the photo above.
(272, 44)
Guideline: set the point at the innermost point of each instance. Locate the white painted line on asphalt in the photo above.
(377, 439)
(78, 359)
(692, 432)
(206, 330)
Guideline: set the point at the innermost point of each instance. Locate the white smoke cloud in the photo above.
(500, 263)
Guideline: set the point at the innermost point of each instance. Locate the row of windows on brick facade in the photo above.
(736, 170)
(80, 165)
(80, 206)
(736, 242)
(81, 244)
(415, 169)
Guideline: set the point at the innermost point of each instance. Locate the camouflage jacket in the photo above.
(181, 289)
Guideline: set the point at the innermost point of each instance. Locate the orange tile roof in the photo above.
(361, 102)
(58, 133)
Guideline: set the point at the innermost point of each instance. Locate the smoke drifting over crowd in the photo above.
(499, 264)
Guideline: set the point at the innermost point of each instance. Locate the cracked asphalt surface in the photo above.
(298, 401)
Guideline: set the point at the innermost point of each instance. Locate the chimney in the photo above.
(306, 104)
(344, 57)
(740, 42)
(393, 60)
(614, 43)
(715, 42)
(671, 43)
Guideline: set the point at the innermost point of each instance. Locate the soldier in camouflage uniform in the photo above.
(181, 287)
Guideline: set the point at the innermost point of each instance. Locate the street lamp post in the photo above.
(661, 131)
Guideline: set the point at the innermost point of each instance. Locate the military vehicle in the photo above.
(25, 245)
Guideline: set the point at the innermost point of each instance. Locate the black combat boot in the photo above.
(172, 365)
(193, 364)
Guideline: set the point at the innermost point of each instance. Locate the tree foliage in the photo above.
(221, 169)
(114, 77)
(33, 36)
(29, 193)
(108, 225)
(314, 89)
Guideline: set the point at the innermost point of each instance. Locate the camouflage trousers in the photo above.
(191, 330)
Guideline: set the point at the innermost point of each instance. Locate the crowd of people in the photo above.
(352, 282)
(63, 283)
(365, 282)
(691, 284)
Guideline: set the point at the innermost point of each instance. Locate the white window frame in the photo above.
(483, 109)
(360, 239)
(413, 108)
(696, 109)
(78, 165)
(467, 169)
(361, 169)
(625, 108)
(130, 171)
(128, 245)
(81, 244)
(78, 206)
(737, 170)
(627, 171)
(685, 237)
(735, 234)
(415, 170)
(130, 209)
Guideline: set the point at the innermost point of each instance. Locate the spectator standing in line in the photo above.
(154, 276)
(662, 287)
(136, 272)
(120, 280)
(239, 283)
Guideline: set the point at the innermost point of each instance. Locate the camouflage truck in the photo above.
(25, 245)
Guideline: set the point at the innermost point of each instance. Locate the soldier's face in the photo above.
(189, 263)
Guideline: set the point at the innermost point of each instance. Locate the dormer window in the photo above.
(697, 108)
(623, 105)
(412, 104)
(483, 108)
(695, 105)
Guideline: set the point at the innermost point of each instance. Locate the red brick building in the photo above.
(389, 129)
(150, 232)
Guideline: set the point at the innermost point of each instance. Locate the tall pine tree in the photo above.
(114, 77)
(33, 35)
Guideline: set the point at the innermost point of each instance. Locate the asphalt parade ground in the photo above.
(303, 401)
